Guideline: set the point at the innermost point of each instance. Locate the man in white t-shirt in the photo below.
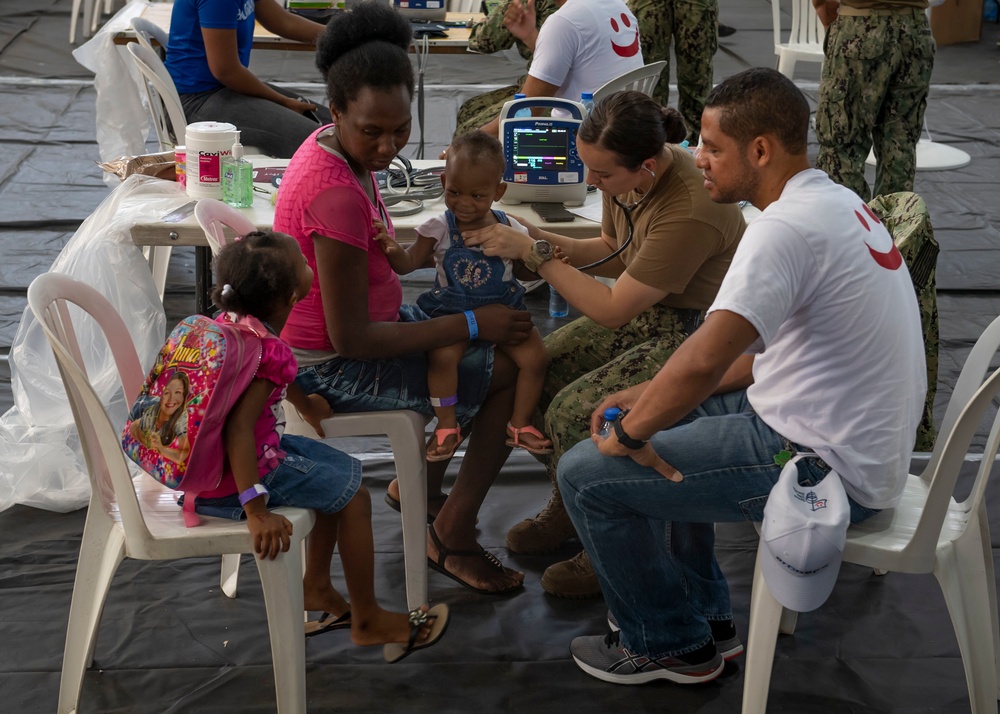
(812, 344)
(581, 46)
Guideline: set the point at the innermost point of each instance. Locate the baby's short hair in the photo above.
(480, 148)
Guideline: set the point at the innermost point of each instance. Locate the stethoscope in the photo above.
(628, 221)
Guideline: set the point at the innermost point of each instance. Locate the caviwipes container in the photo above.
(206, 143)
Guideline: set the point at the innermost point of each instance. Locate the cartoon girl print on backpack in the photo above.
(160, 423)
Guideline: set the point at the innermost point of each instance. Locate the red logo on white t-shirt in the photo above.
(890, 259)
(630, 49)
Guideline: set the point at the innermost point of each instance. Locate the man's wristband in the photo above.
(473, 325)
(624, 439)
(258, 489)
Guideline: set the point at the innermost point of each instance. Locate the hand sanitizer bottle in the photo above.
(237, 178)
(587, 100)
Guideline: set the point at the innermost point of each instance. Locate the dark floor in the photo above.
(171, 642)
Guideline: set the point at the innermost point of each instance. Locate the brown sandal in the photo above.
(444, 553)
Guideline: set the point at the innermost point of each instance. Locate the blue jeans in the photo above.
(356, 385)
(652, 541)
(312, 475)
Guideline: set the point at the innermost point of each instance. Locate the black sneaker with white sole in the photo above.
(603, 657)
(723, 632)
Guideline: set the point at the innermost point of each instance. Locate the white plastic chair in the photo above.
(641, 79)
(162, 101)
(141, 519)
(404, 428)
(215, 216)
(89, 11)
(162, 96)
(805, 37)
(146, 32)
(929, 532)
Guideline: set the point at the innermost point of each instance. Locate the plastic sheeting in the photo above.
(40, 461)
(169, 640)
(122, 118)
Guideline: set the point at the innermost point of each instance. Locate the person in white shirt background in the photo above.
(581, 46)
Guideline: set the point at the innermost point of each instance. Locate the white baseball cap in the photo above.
(804, 531)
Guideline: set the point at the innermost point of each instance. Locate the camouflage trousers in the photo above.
(693, 28)
(876, 76)
(483, 108)
(589, 362)
(905, 217)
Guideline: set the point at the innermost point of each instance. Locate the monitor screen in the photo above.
(541, 148)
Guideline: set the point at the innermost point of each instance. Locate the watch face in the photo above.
(543, 249)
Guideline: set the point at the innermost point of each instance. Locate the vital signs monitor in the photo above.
(542, 165)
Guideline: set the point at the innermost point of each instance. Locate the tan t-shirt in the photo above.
(684, 242)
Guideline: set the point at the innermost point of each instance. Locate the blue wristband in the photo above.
(473, 326)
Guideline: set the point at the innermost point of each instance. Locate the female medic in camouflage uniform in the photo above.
(682, 244)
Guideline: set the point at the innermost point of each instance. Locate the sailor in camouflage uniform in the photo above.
(692, 27)
(488, 36)
(877, 71)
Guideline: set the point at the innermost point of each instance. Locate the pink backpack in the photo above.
(174, 429)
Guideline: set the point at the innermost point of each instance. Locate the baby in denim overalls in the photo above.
(467, 279)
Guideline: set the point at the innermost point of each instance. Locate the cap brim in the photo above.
(797, 592)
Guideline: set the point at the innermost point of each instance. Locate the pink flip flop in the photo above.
(440, 435)
(516, 440)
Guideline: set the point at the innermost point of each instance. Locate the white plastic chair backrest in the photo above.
(641, 79)
(49, 296)
(966, 409)
(160, 84)
(213, 216)
(146, 32)
(806, 27)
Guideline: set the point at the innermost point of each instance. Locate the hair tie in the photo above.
(228, 291)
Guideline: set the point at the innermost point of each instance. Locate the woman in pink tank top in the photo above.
(356, 343)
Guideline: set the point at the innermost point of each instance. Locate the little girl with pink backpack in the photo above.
(260, 278)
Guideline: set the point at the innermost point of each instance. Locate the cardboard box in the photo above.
(957, 21)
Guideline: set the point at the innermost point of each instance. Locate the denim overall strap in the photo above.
(456, 235)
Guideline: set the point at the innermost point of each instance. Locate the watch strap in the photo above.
(534, 259)
(623, 438)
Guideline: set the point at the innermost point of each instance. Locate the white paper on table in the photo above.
(592, 211)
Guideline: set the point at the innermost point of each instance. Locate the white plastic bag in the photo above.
(41, 464)
(122, 118)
